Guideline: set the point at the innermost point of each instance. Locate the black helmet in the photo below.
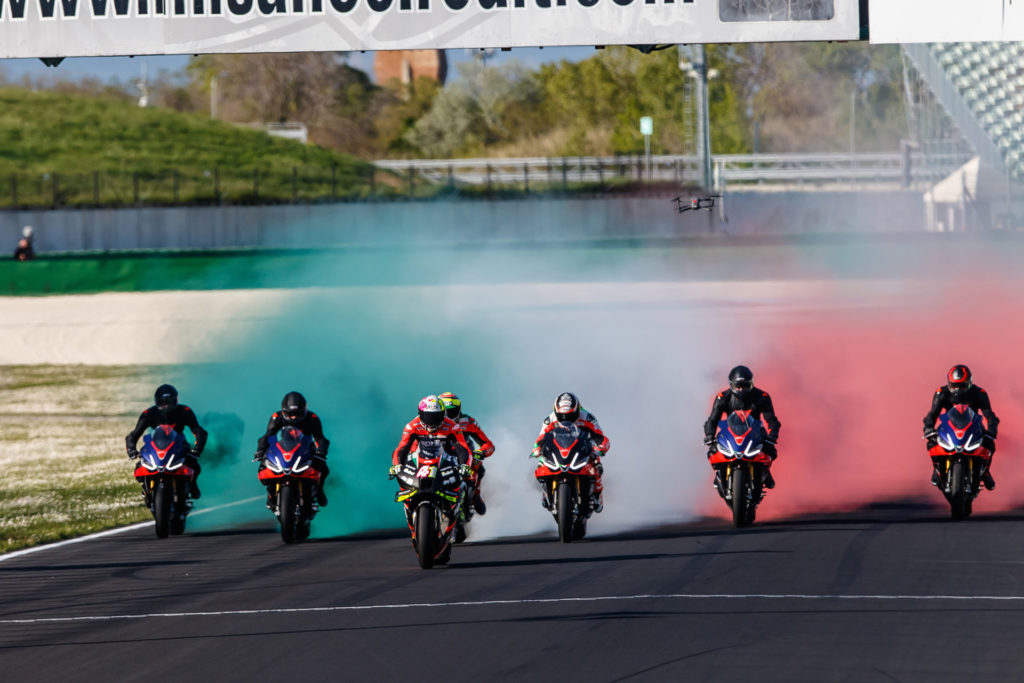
(452, 405)
(567, 407)
(959, 380)
(741, 380)
(293, 407)
(431, 411)
(165, 397)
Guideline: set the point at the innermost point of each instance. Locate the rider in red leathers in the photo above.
(475, 436)
(431, 423)
(567, 408)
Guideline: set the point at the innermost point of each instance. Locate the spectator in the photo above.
(25, 251)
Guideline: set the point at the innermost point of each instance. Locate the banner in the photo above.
(946, 21)
(65, 28)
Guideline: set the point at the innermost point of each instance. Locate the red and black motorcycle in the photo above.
(433, 491)
(567, 472)
(166, 479)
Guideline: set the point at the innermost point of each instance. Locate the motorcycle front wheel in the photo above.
(287, 505)
(426, 536)
(958, 499)
(738, 484)
(565, 516)
(162, 508)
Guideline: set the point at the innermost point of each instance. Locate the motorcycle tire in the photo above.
(162, 495)
(426, 536)
(180, 508)
(445, 556)
(564, 513)
(288, 507)
(958, 502)
(738, 485)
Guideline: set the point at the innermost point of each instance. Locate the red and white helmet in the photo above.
(567, 407)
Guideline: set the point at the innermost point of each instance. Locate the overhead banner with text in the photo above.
(63, 28)
(946, 21)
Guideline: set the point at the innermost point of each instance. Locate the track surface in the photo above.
(517, 618)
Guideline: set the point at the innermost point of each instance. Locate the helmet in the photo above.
(452, 404)
(567, 407)
(293, 407)
(26, 232)
(165, 397)
(741, 380)
(431, 413)
(959, 380)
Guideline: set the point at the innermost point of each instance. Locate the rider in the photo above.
(475, 437)
(567, 408)
(431, 423)
(959, 390)
(294, 414)
(167, 411)
(743, 395)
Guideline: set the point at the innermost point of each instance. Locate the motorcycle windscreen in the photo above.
(565, 435)
(431, 449)
(289, 439)
(738, 425)
(163, 438)
(960, 419)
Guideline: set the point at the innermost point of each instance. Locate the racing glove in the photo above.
(929, 433)
(466, 471)
(133, 453)
(393, 471)
(194, 452)
(709, 440)
(258, 456)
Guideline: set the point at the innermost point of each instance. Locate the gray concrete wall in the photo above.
(388, 223)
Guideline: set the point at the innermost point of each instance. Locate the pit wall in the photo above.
(411, 222)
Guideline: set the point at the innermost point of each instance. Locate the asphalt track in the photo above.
(885, 593)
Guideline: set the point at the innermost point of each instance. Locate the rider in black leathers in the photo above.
(167, 411)
(743, 395)
(293, 413)
(959, 390)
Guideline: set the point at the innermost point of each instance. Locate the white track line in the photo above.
(527, 601)
(112, 532)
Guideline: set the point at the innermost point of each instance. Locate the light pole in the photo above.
(647, 129)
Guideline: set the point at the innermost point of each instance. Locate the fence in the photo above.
(417, 178)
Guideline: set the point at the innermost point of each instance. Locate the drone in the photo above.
(696, 203)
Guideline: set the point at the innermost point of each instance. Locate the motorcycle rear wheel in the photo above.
(162, 508)
(738, 484)
(958, 503)
(287, 505)
(426, 536)
(564, 511)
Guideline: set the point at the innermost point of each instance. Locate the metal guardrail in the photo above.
(913, 168)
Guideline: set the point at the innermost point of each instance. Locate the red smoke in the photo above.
(851, 383)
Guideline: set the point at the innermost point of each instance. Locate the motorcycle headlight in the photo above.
(750, 451)
(972, 445)
(303, 468)
(726, 448)
(946, 443)
(175, 465)
(274, 467)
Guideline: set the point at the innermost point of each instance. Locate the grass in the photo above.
(64, 472)
(78, 150)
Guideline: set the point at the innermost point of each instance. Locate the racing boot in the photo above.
(935, 476)
(321, 497)
(769, 480)
(194, 485)
(597, 502)
(988, 481)
(271, 501)
(478, 503)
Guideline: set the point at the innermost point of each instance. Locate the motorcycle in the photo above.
(166, 479)
(433, 492)
(289, 471)
(960, 458)
(567, 472)
(741, 465)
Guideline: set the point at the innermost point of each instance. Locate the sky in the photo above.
(129, 68)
